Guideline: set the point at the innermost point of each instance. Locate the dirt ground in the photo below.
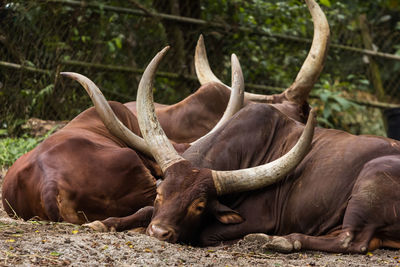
(41, 243)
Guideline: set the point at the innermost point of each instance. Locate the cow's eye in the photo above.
(200, 206)
(197, 206)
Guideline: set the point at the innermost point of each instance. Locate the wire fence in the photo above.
(112, 41)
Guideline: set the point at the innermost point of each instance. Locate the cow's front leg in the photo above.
(141, 218)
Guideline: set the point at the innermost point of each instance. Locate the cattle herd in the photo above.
(216, 167)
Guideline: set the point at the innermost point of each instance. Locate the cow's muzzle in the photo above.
(162, 232)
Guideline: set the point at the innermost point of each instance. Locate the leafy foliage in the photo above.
(46, 35)
(13, 148)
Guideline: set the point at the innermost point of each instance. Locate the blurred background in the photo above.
(111, 41)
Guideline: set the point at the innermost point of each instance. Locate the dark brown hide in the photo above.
(343, 197)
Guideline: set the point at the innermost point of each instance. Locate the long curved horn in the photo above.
(202, 67)
(205, 74)
(161, 148)
(110, 120)
(257, 177)
(236, 99)
(298, 92)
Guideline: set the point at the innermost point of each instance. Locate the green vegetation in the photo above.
(46, 37)
(13, 148)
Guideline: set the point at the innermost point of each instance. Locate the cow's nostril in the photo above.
(160, 232)
(166, 234)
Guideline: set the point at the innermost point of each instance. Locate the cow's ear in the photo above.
(225, 214)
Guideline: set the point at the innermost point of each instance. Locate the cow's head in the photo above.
(188, 193)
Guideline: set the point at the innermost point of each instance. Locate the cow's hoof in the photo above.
(279, 244)
(283, 245)
(275, 243)
(97, 226)
(259, 237)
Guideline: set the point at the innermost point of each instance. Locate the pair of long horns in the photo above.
(300, 89)
(157, 141)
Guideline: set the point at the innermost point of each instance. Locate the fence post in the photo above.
(373, 66)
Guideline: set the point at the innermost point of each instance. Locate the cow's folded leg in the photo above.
(139, 219)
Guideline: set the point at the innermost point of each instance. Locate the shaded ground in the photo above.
(61, 244)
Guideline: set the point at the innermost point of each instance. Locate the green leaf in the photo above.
(46, 91)
(324, 95)
(343, 102)
(111, 47)
(327, 112)
(326, 3)
(118, 42)
(336, 107)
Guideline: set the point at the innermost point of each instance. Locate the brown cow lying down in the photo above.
(249, 177)
(84, 172)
